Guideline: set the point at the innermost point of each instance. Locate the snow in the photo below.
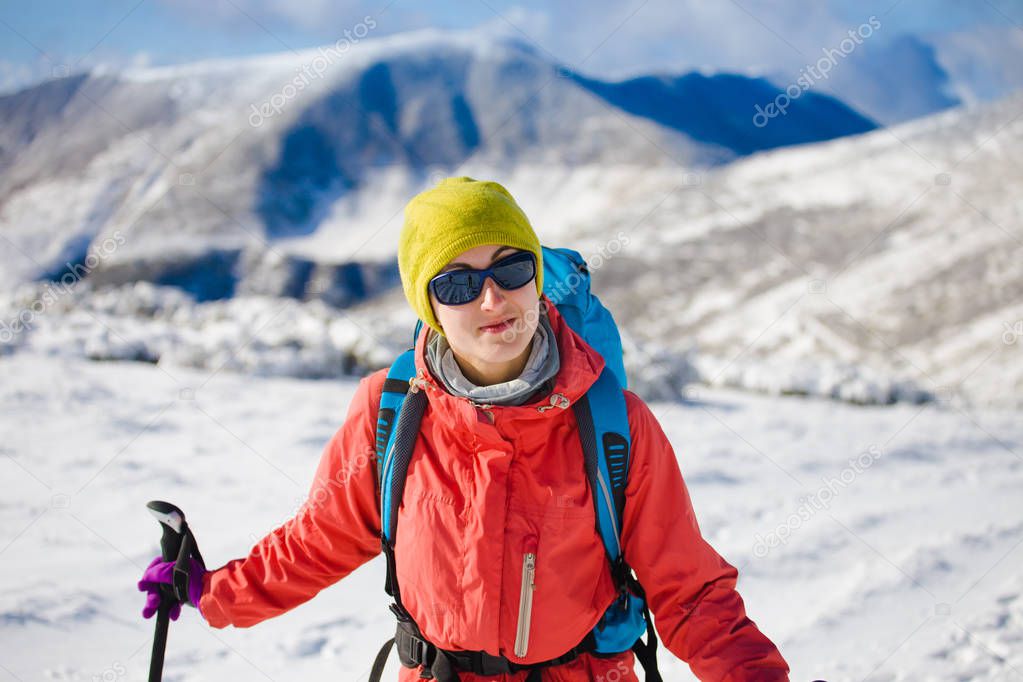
(859, 252)
(252, 334)
(874, 543)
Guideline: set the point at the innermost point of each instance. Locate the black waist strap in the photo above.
(444, 665)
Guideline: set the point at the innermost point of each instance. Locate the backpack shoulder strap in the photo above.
(401, 410)
(397, 428)
(604, 432)
(603, 422)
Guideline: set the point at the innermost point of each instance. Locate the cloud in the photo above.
(313, 16)
(751, 35)
(15, 76)
(747, 36)
(598, 37)
(520, 23)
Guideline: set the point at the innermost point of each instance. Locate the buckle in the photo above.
(418, 650)
(412, 649)
(623, 600)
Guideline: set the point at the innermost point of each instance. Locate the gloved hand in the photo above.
(160, 572)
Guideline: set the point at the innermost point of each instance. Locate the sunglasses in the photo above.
(458, 287)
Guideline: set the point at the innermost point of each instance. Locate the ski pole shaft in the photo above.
(159, 643)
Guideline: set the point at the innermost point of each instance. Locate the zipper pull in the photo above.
(418, 382)
(558, 400)
(484, 412)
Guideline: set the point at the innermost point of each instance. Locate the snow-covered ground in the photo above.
(878, 543)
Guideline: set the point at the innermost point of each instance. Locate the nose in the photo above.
(492, 295)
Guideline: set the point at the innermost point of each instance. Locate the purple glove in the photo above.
(160, 572)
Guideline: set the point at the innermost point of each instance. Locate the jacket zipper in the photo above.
(526, 598)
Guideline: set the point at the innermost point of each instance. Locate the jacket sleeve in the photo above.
(690, 588)
(336, 530)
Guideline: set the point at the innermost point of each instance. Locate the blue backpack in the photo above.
(604, 431)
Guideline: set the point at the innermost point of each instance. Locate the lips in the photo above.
(498, 327)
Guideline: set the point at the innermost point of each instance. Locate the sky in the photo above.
(46, 38)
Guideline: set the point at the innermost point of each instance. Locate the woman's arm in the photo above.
(689, 586)
(336, 530)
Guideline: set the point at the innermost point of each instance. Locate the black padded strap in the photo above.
(404, 442)
(381, 660)
(588, 440)
(401, 454)
(646, 652)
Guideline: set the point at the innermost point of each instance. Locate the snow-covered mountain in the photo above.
(875, 267)
(899, 250)
(262, 174)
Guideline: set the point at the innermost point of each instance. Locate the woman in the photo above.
(497, 474)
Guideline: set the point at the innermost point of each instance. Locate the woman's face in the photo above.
(489, 354)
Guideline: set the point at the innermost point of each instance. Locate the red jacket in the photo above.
(486, 484)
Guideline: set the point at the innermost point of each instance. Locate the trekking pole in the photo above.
(176, 544)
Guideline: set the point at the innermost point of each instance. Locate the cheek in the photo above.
(528, 307)
(446, 315)
(527, 301)
(456, 322)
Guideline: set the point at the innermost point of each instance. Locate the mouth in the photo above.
(498, 327)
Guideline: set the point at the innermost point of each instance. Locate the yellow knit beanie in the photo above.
(456, 215)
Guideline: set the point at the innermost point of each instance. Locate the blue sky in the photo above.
(45, 37)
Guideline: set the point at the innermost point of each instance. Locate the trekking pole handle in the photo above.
(182, 568)
(172, 522)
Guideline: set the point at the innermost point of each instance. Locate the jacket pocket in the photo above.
(526, 596)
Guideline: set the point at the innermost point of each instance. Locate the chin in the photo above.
(498, 350)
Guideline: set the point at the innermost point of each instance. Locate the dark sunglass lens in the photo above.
(456, 288)
(515, 271)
